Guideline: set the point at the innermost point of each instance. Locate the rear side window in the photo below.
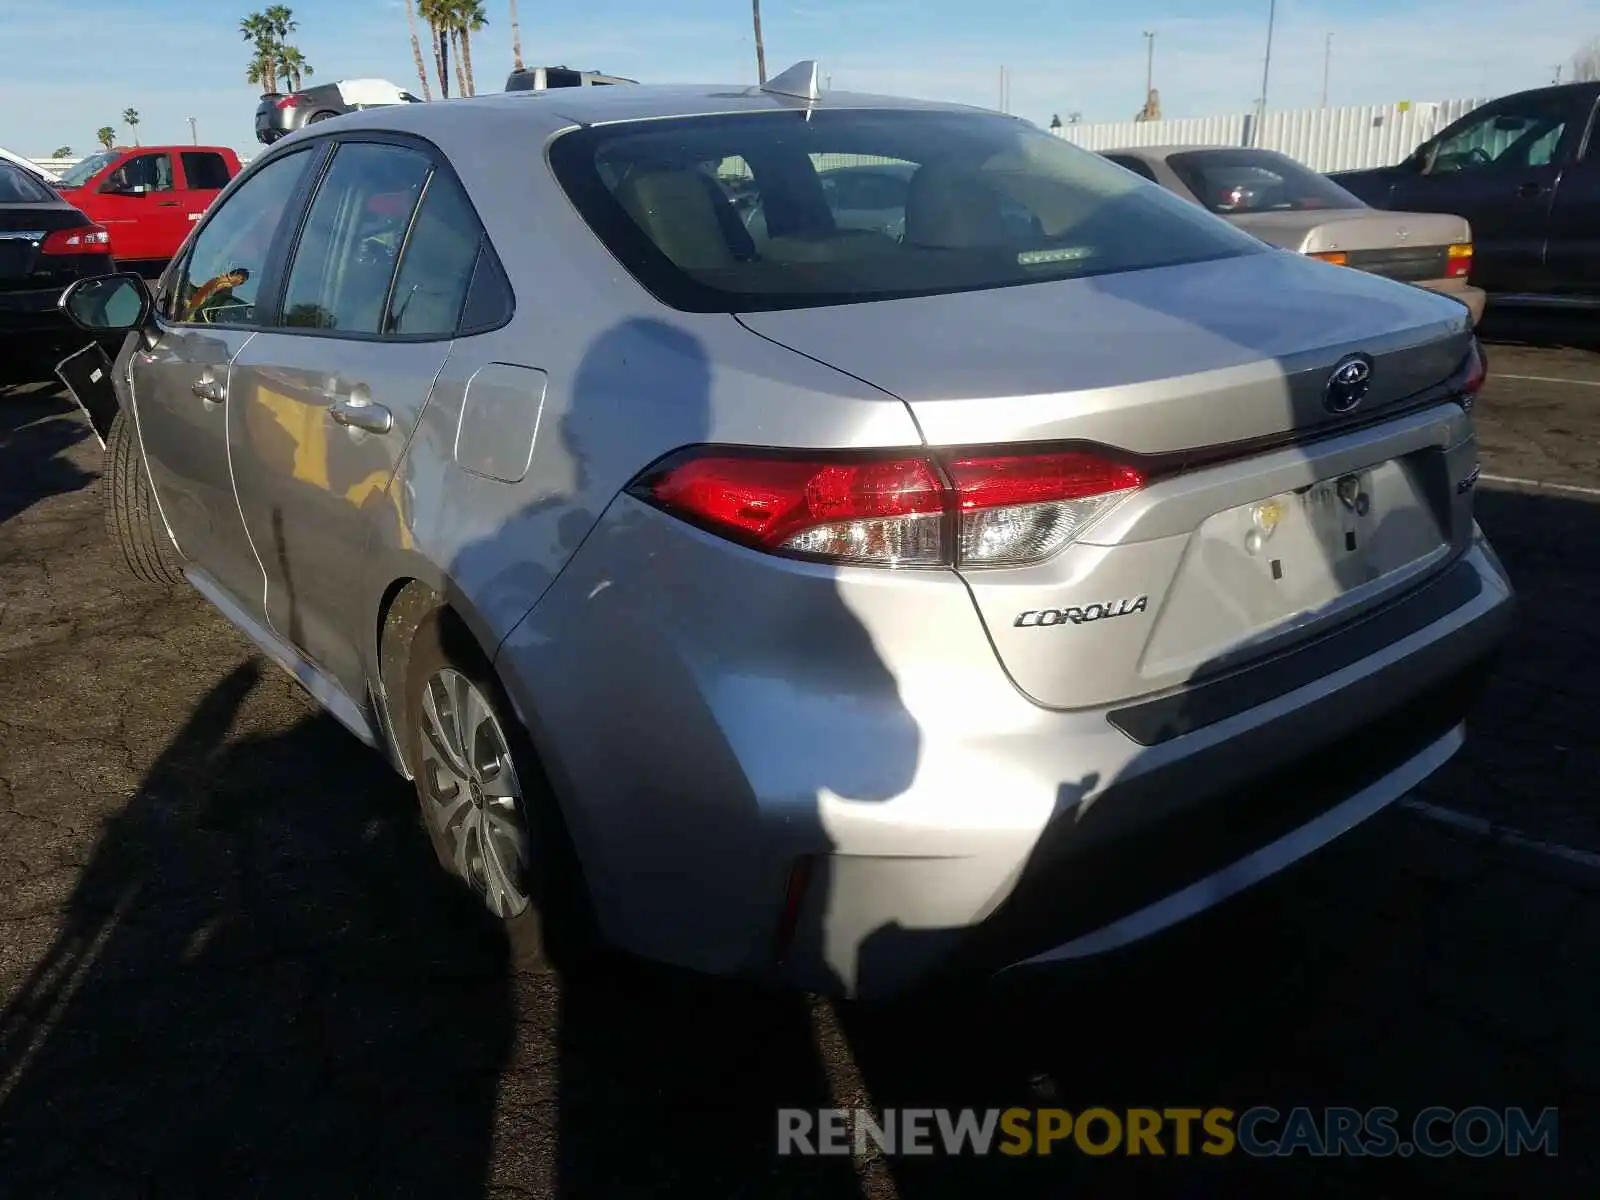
(1137, 165)
(18, 187)
(988, 201)
(346, 256)
(205, 170)
(436, 268)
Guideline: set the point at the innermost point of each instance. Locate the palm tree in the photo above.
(263, 69)
(294, 66)
(761, 47)
(455, 46)
(130, 117)
(470, 19)
(280, 22)
(259, 72)
(516, 39)
(416, 49)
(106, 136)
(437, 14)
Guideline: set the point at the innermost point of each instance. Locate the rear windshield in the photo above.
(19, 187)
(1247, 181)
(794, 210)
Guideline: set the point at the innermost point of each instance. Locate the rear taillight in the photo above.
(989, 510)
(85, 239)
(1459, 261)
(1476, 370)
(1337, 257)
(289, 102)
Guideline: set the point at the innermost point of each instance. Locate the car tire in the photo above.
(549, 922)
(132, 521)
(324, 115)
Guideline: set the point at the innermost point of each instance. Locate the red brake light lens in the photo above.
(83, 239)
(288, 102)
(984, 510)
(1459, 261)
(1477, 370)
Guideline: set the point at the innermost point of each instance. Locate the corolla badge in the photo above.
(1348, 384)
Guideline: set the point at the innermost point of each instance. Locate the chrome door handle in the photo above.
(207, 388)
(355, 412)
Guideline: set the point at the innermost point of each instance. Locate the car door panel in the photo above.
(309, 486)
(146, 225)
(1573, 250)
(184, 439)
(183, 384)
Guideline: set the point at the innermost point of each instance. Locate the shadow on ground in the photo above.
(38, 425)
(259, 984)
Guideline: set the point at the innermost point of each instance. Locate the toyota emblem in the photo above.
(1348, 383)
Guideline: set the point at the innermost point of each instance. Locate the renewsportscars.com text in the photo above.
(1260, 1132)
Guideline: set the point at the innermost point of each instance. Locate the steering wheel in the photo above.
(1477, 157)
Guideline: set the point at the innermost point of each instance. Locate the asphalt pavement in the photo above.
(230, 967)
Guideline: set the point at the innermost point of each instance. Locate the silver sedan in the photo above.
(811, 603)
(1286, 204)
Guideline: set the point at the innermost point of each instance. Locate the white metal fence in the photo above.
(1325, 139)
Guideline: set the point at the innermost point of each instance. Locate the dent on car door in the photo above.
(1498, 167)
(325, 402)
(181, 385)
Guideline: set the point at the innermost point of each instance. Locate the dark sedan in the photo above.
(45, 244)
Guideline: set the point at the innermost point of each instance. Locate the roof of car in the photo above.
(1168, 151)
(554, 108)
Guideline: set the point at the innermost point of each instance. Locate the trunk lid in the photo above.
(1220, 371)
(1409, 247)
(1153, 362)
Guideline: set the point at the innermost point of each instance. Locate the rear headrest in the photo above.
(953, 208)
(678, 209)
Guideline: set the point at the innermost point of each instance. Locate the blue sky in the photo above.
(71, 68)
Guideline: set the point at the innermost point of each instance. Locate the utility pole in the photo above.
(1327, 58)
(1266, 73)
(194, 135)
(1149, 64)
(1558, 73)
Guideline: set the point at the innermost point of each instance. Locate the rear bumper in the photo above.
(751, 715)
(1459, 289)
(35, 316)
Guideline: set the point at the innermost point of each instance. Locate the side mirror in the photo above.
(107, 303)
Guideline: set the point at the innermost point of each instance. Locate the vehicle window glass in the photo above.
(555, 77)
(1249, 181)
(205, 170)
(991, 202)
(18, 187)
(1510, 139)
(1137, 165)
(222, 274)
(436, 268)
(346, 257)
(86, 169)
(151, 172)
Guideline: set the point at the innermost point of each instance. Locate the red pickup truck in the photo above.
(148, 197)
